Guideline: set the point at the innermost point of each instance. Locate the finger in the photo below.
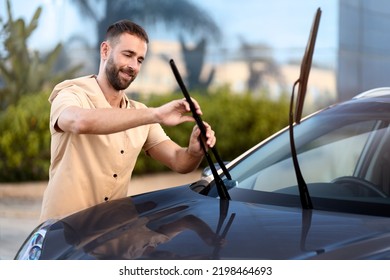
(186, 118)
(197, 106)
(196, 131)
(209, 132)
(183, 102)
(211, 141)
(198, 109)
(207, 126)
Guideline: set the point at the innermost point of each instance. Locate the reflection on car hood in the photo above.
(180, 224)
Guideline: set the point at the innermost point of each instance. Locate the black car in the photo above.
(341, 210)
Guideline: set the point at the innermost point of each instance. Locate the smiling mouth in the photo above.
(127, 75)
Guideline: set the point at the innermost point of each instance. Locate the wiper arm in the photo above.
(302, 186)
(302, 81)
(222, 190)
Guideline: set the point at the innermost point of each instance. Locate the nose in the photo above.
(131, 69)
(133, 65)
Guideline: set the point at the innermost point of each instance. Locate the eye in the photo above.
(128, 54)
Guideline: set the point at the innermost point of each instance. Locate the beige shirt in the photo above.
(89, 169)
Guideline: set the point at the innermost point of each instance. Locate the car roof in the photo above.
(376, 92)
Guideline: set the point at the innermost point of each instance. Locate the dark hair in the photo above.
(126, 26)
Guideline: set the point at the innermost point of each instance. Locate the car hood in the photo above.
(178, 223)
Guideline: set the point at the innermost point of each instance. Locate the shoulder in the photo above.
(84, 87)
(81, 82)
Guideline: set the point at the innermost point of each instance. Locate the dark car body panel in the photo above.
(256, 231)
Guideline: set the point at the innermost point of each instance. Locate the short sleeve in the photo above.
(156, 136)
(62, 101)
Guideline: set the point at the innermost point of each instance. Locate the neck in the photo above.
(113, 96)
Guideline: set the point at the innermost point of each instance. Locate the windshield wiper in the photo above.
(302, 81)
(221, 187)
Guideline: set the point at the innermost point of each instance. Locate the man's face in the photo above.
(125, 60)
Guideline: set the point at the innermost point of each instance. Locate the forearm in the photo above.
(111, 120)
(186, 161)
(179, 159)
(104, 121)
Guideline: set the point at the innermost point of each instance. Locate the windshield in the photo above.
(343, 153)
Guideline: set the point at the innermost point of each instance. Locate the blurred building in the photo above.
(156, 76)
(364, 46)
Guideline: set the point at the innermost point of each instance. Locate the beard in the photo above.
(112, 73)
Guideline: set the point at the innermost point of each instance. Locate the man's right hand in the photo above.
(176, 112)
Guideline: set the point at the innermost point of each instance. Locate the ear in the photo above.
(104, 50)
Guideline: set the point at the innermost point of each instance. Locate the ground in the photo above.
(20, 205)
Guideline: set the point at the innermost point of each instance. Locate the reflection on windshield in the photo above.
(338, 156)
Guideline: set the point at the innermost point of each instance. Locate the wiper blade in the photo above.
(222, 190)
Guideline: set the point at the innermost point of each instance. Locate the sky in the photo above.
(280, 23)
(284, 25)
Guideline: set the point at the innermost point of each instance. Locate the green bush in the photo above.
(25, 139)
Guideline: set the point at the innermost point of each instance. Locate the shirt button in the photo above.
(106, 198)
(122, 151)
(115, 175)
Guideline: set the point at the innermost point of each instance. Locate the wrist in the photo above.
(156, 116)
(195, 154)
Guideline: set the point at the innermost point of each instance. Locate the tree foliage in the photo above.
(171, 13)
(23, 71)
(25, 139)
(25, 80)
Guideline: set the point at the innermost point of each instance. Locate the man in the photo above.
(98, 133)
